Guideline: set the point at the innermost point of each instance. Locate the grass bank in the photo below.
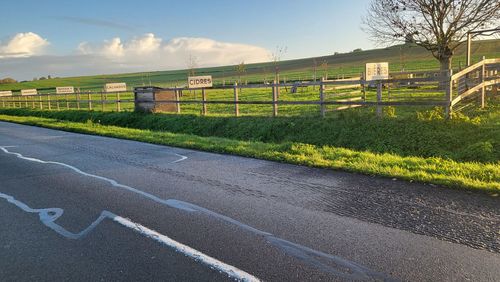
(309, 142)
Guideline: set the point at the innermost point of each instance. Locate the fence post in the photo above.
(102, 100)
(322, 97)
(77, 96)
(203, 101)
(89, 96)
(118, 102)
(41, 102)
(48, 102)
(379, 98)
(26, 101)
(363, 86)
(449, 95)
(177, 100)
(275, 99)
(236, 105)
(57, 102)
(67, 101)
(482, 88)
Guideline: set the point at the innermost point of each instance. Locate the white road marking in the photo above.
(337, 265)
(50, 215)
(182, 158)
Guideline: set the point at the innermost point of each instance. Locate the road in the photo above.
(79, 207)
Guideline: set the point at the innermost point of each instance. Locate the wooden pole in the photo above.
(379, 98)
(41, 102)
(236, 105)
(26, 101)
(322, 97)
(48, 102)
(118, 108)
(204, 99)
(482, 88)
(67, 101)
(275, 99)
(177, 99)
(77, 96)
(363, 86)
(57, 103)
(89, 96)
(449, 95)
(102, 101)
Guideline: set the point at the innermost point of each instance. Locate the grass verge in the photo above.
(435, 170)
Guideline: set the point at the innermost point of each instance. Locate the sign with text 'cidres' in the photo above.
(200, 81)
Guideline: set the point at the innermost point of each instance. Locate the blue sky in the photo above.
(306, 28)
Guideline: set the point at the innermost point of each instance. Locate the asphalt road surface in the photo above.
(77, 207)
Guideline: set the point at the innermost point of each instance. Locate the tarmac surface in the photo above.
(80, 207)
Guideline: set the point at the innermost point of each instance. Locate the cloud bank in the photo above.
(142, 53)
(23, 45)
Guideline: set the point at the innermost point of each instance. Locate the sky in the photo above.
(68, 38)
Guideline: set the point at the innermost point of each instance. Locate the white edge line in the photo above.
(188, 251)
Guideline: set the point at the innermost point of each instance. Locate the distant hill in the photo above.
(400, 57)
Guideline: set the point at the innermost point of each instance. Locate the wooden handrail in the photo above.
(475, 66)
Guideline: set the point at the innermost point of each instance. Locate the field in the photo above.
(400, 58)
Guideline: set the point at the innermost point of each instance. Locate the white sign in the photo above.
(115, 87)
(200, 81)
(5, 93)
(65, 90)
(376, 71)
(29, 92)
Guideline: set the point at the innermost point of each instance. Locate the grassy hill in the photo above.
(401, 57)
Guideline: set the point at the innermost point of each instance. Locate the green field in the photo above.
(400, 57)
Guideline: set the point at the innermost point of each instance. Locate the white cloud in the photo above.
(151, 50)
(23, 45)
(142, 53)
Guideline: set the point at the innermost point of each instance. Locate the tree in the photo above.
(240, 69)
(276, 59)
(439, 26)
(192, 64)
(7, 80)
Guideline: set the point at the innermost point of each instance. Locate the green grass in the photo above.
(407, 57)
(462, 153)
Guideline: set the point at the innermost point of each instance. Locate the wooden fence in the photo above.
(448, 91)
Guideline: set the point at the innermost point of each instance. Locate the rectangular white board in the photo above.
(29, 92)
(115, 87)
(5, 93)
(377, 71)
(65, 90)
(200, 81)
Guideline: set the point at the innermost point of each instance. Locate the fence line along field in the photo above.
(417, 89)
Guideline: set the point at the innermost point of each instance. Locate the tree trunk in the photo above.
(445, 68)
(445, 63)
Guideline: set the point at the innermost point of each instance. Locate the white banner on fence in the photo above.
(65, 90)
(29, 92)
(376, 71)
(200, 81)
(5, 93)
(115, 87)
